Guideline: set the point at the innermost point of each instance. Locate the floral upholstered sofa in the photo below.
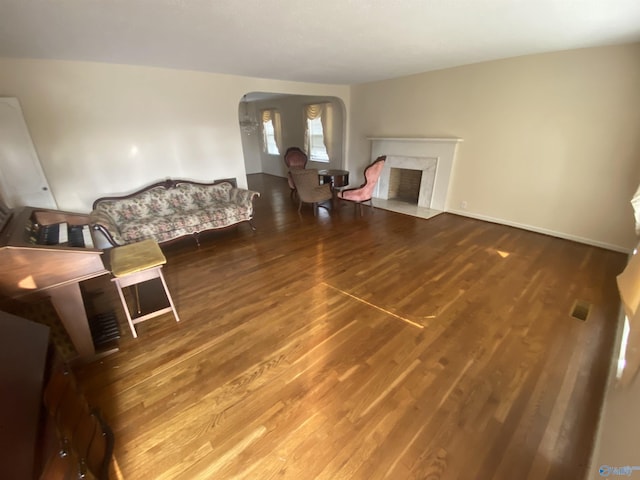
(169, 210)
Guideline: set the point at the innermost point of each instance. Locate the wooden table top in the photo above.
(332, 172)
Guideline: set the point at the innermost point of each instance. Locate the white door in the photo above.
(22, 181)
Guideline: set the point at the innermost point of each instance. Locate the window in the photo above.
(317, 131)
(269, 136)
(316, 148)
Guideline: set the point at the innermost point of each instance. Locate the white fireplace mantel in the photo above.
(401, 149)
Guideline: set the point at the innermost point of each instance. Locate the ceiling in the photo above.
(329, 41)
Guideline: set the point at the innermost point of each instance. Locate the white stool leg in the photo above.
(126, 308)
(166, 291)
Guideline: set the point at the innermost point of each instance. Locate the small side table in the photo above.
(337, 178)
(133, 264)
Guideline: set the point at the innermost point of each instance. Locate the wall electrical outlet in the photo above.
(463, 204)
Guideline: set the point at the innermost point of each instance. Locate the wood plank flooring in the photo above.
(348, 347)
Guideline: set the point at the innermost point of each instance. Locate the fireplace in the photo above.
(430, 161)
(423, 168)
(404, 185)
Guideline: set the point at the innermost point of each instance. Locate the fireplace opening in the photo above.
(404, 185)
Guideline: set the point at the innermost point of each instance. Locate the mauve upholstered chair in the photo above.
(294, 158)
(309, 190)
(365, 191)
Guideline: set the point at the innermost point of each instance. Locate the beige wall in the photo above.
(101, 129)
(551, 142)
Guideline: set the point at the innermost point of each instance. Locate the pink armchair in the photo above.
(364, 192)
(294, 158)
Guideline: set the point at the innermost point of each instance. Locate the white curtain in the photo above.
(274, 117)
(635, 203)
(629, 287)
(277, 129)
(325, 113)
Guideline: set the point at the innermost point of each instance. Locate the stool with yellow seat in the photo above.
(133, 264)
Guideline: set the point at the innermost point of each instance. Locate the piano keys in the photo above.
(63, 233)
(28, 267)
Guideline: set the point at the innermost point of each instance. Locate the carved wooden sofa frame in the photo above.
(170, 210)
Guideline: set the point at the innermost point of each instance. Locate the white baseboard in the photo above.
(574, 238)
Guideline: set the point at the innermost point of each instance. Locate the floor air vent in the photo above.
(581, 310)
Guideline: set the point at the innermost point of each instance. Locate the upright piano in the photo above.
(48, 253)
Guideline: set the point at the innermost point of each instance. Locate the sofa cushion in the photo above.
(216, 215)
(158, 229)
(203, 195)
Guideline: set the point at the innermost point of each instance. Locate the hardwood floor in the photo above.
(347, 347)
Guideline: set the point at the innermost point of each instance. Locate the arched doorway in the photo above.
(291, 111)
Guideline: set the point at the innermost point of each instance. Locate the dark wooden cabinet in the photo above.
(23, 359)
(47, 429)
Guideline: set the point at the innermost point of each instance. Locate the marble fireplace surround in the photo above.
(426, 165)
(433, 156)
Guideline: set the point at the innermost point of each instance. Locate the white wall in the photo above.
(103, 129)
(551, 142)
(251, 146)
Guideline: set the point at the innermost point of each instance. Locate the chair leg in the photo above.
(326, 207)
(126, 309)
(360, 207)
(168, 295)
(299, 206)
